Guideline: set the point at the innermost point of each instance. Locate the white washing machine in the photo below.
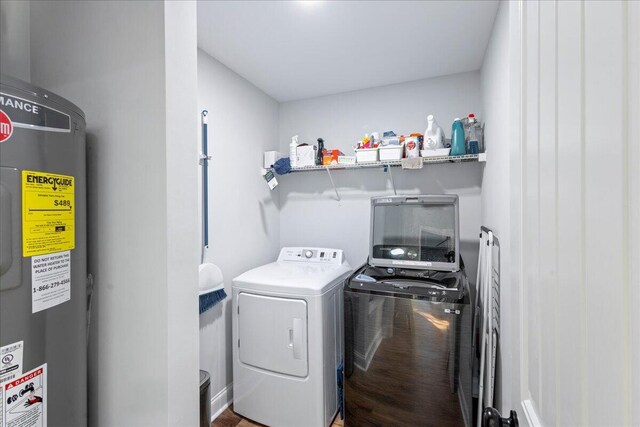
(287, 336)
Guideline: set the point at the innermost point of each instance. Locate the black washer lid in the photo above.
(205, 380)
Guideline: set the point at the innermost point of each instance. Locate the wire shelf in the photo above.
(385, 163)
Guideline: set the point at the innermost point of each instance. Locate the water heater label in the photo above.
(50, 280)
(6, 126)
(24, 400)
(48, 213)
(11, 361)
(31, 115)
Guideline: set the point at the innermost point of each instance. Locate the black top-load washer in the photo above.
(408, 325)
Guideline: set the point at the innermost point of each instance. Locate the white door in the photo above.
(273, 333)
(580, 198)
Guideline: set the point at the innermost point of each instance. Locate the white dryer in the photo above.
(287, 338)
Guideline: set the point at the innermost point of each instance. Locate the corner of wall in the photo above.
(15, 39)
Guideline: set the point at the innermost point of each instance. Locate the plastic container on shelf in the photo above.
(473, 144)
(366, 155)
(472, 125)
(391, 152)
(433, 136)
(440, 152)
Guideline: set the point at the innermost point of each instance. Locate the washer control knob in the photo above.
(308, 254)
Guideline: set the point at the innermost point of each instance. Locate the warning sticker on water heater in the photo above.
(48, 213)
(24, 402)
(50, 280)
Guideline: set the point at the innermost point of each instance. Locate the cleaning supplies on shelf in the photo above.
(320, 153)
(457, 138)
(306, 155)
(412, 144)
(375, 138)
(474, 134)
(473, 146)
(434, 135)
(210, 280)
(330, 157)
(367, 149)
(293, 155)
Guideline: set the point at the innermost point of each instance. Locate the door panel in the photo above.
(272, 333)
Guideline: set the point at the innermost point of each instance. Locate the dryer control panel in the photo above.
(312, 255)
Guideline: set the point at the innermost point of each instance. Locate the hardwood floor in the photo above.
(230, 419)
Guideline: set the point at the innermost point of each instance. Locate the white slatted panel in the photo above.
(547, 283)
(578, 205)
(530, 212)
(603, 185)
(633, 100)
(570, 327)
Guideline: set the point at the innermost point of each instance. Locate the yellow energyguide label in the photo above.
(48, 213)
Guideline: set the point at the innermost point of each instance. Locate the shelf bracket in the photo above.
(387, 168)
(333, 183)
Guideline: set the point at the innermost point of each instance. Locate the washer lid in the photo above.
(297, 278)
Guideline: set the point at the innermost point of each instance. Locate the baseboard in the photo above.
(221, 401)
(530, 413)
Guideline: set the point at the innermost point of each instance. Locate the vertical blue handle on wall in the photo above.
(205, 181)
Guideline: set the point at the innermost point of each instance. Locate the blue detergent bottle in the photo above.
(457, 138)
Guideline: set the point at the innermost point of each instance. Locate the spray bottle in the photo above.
(320, 150)
(293, 148)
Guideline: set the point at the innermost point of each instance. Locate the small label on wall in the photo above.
(50, 280)
(24, 400)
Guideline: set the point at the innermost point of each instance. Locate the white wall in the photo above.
(580, 203)
(136, 85)
(309, 212)
(498, 185)
(244, 230)
(181, 121)
(15, 39)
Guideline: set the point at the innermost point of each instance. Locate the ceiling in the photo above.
(302, 49)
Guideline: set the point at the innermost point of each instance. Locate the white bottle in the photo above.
(293, 151)
(433, 136)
